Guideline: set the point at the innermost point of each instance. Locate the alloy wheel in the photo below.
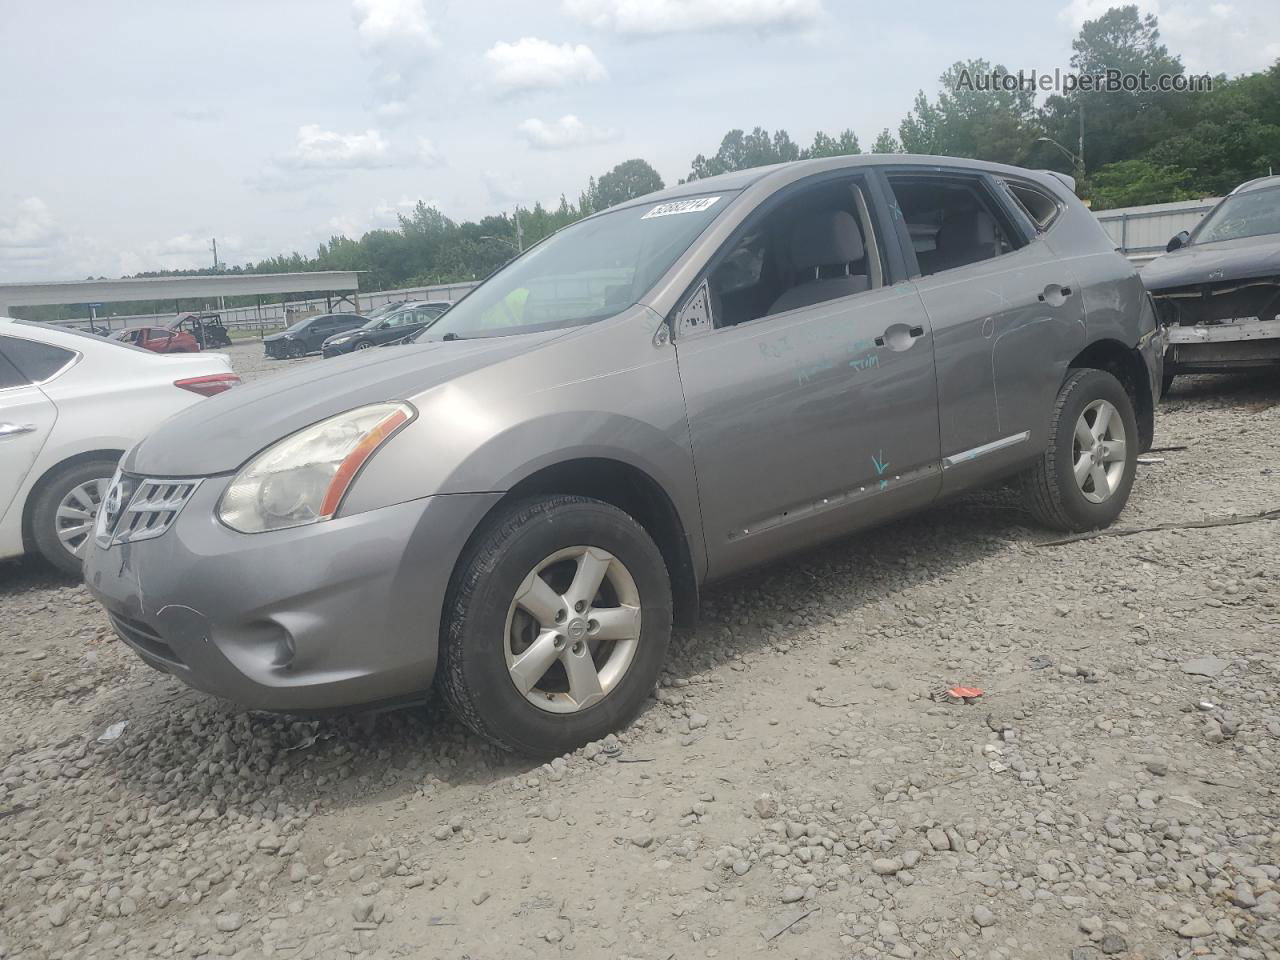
(1098, 451)
(76, 514)
(572, 629)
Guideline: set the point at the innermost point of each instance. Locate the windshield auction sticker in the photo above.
(680, 206)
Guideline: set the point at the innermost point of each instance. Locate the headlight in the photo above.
(303, 478)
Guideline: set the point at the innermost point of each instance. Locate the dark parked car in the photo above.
(516, 506)
(1217, 290)
(307, 336)
(396, 325)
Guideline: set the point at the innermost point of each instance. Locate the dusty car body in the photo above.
(519, 504)
(1217, 290)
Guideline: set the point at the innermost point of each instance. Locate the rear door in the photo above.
(1003, 308)
(812, 409)
(27, 416)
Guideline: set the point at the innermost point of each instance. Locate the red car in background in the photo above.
(159, 339)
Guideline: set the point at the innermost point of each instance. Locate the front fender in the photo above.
(609, 392)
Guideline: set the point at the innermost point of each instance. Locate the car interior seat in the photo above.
(823, 240)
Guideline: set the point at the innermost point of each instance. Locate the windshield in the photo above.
(591, 270)
(1252, 214)
(374, 323)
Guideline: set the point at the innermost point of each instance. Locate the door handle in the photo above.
(14, 429)
(899, 336)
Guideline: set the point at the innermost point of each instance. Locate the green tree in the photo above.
(825, 145)
(886, 142)
(742, 151)
(1130, 183)
(626, 181)
(1116, 125)
(969, 120)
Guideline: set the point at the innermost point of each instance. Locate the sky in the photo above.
(134, 131)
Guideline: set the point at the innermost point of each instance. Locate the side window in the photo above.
(1042, 208)
(952, 221)
(9, 375)
(816, 244)
(35, 361)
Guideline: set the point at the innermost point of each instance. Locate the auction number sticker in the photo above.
(680, 206)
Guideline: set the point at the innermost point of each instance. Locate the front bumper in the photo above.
(1230, 345)
(331, 615)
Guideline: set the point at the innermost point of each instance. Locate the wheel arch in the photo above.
(28, 541)
(632, 491)
(1124, 363)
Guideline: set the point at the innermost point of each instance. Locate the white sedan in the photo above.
(71, 404)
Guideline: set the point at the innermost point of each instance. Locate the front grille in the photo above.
(144, 638)
(139, 508)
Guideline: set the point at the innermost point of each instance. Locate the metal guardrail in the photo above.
(277, 316)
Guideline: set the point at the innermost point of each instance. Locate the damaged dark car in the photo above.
(1217, 290)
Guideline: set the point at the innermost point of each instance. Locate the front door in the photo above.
(820, 415)
(26, 419)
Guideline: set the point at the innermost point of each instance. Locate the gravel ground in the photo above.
(791, 789)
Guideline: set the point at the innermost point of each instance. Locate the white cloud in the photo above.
(533, 64)
(320, 149)
(384, 24)
(398, 38)
(30, 233)
(1217, 38)
(320, 156)
(384, 215)
(503, 189)
(683, 16)
(428, 155)
(563, 134)
(198, 114)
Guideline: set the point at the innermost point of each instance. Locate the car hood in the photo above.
(220, 434)
(1210, 262)
(272, 337)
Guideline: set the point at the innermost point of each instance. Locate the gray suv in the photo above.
(519, 506)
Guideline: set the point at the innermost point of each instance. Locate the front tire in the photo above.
(64, 511)
(362, 345)
(297, 351)
(1082, 480)
(556, 625)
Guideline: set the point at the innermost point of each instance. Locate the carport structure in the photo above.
(336, 286)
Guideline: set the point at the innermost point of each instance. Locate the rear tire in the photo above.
(55, 523)
(490, 622)
(1106, 461)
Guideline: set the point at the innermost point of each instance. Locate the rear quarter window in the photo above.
(1038, 204)
(37, 362)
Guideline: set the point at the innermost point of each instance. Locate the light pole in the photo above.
(1077, 162)
(503, 240)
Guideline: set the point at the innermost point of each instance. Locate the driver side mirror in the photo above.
(1177, 241)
